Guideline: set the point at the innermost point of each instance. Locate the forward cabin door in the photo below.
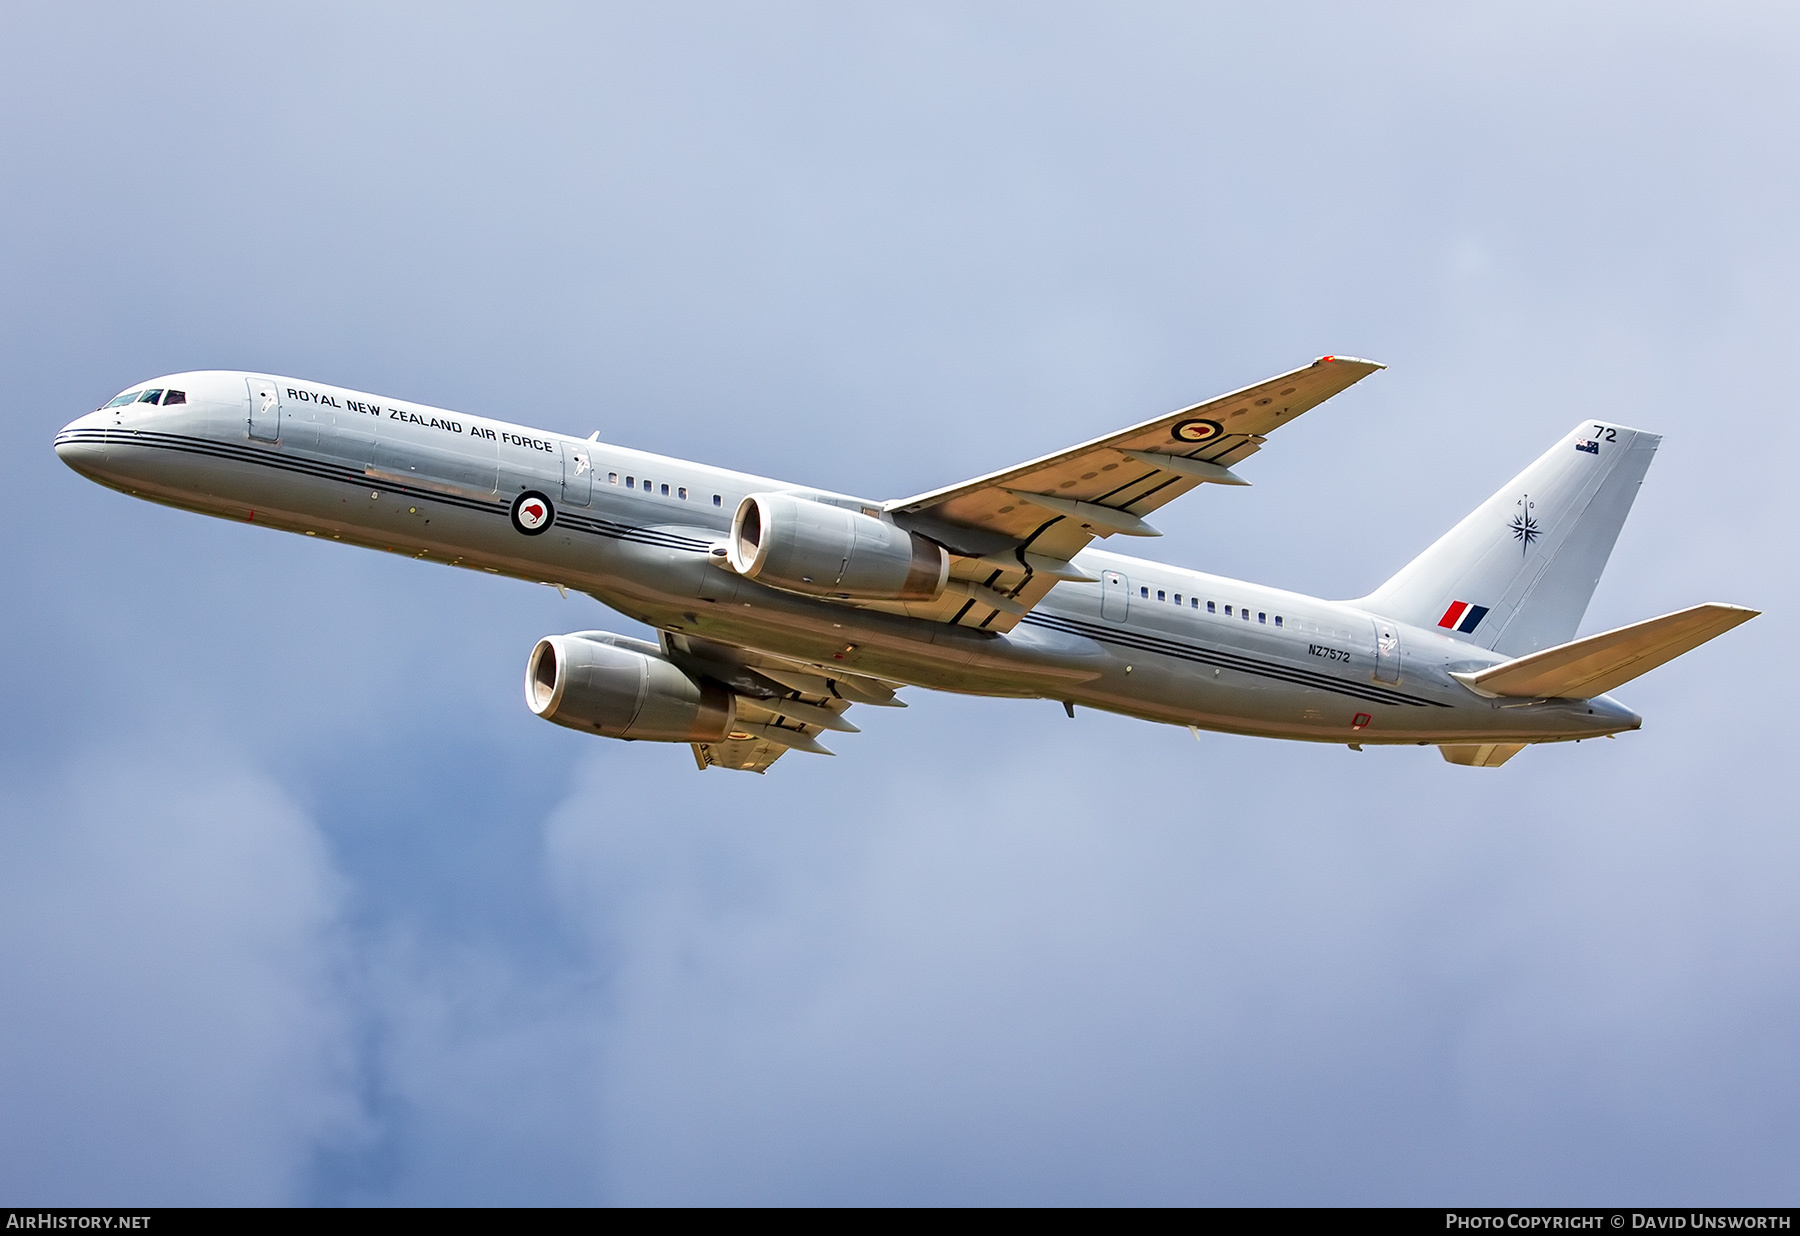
(265, 409)
(578, 474)
(1387, 651)
(1115, 596)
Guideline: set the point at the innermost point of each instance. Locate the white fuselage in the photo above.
(638, 532)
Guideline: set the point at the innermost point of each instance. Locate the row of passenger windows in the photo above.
(151, 396)
(631, 482)
(1211, 606)
(166, 398)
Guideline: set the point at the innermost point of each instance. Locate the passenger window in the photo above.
(684, 493)
(1178, 598)
(1144, 592)
(1228, 611)
(174, 397)
(1193, 602)
(716, 499)
(1161, 595)
(1211, 608)
(1244, 614)
(631, 482)
(646, 484)
(612, 478)
(665, 491)
(1277, 619)
(150, 396)
(122, 400)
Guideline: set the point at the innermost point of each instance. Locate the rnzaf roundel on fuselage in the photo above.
(776, 607)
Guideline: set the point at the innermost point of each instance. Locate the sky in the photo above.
(300, 905)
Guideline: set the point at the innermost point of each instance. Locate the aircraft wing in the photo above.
(781, 705)
(1013, 532)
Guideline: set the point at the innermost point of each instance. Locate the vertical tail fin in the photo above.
(1517, 574)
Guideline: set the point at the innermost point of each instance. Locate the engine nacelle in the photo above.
(623, 692)
(803, 546)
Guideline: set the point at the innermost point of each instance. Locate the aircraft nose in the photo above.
(82, 443)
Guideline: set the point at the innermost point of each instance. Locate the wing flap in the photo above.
(781, 704)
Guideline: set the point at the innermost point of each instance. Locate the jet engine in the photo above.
(804, 546)
(590, 682)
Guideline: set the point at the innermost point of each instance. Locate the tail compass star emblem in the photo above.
(1524, 526)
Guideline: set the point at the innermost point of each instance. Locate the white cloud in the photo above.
(170, 949)
(982, 981)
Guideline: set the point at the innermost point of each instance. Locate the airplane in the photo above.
(778, 606)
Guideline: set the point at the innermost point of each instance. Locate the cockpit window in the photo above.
(150, 396)
(174, 397)
(122, 400)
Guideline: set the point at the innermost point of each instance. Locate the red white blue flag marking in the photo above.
(1462, 617)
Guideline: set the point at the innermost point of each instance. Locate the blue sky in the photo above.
(300, 904)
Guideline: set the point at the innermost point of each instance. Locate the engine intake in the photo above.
(587, 682)
(812, 547)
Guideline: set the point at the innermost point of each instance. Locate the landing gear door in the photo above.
(578, 474)
(265, 409)
(1115, 596)
(1387, 651)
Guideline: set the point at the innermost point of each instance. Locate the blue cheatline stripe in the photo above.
(1145, 642)
(1472, 619)
(319, 469)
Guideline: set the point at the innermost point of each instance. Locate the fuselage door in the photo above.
(1387, 651)
(1115, 596)
(578, 474)
(265, 409)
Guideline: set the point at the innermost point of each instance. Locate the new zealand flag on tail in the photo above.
(1462, 617)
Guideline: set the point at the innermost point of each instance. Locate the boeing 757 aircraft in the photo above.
(779, 606)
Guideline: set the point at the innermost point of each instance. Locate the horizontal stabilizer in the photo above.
(1481, 755)
(1595, 665)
